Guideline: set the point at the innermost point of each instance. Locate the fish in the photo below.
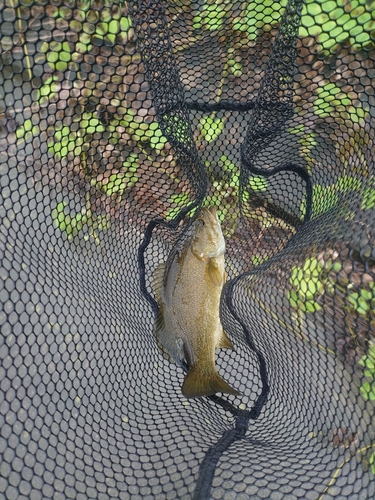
(187, 289)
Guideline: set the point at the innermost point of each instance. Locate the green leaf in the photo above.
(131, 162)
(323, 199)
(101, 29)
(125, 24)
(58, 214)
(110, 28)
(211, 128)
(258, 259)
(197, 21)
(103, 222)
(72, 225)
(259, 14)
(48, 90)
(307, 286)
(235, 67)
(258, 184)
(367, 389)
(58, 54)
(311, 264)
(230, 174)
(368, 200)
(228, 165)
(371, 353)
(157, 138)
(63, 220)
(333, 22)
(27, 131)
(348, 183)
(210, 18)
(180, 201)
(367, 295)
(297, 129)
(361, 301)
(147, 133)
(329, 99)
(118, 183)
(312, 306)
(64, 141)
(82, 48)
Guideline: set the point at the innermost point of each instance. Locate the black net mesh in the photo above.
(118, 121)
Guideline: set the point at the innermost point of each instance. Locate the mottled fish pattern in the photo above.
(188, 291)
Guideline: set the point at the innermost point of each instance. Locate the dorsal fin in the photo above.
(157, 282)
(159, 324)
(161, 335)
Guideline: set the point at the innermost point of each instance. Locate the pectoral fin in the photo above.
(224, 340)
(216, 277)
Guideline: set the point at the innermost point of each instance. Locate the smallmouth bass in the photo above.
(187, 289)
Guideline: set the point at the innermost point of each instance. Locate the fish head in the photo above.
(208, 241)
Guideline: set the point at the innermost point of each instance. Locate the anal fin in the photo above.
(224, 341)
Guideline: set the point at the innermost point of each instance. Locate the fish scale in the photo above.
(188, 292)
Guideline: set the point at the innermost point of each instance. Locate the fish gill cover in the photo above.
(119, 122)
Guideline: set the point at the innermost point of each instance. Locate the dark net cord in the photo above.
(220, 106)
(213, 455)
(207, 468)
(119, 121)
(242, 417)
(166, 90)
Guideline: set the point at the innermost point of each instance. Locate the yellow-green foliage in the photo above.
(211, 128)
(307, 285)
(330, 22)
(368, 387)
(257, 15)
(71, 224)
(368, 201)
(326, 197)
(335, 21)
(226, 190)
(125, 179)
(331, 99)
(363, 300)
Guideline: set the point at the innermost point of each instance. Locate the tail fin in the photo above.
(199, 382)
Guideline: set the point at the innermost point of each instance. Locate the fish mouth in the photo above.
(211, 213)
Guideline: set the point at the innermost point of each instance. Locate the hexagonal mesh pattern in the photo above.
(119, 120)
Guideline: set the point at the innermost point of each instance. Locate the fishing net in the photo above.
(119, 121)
